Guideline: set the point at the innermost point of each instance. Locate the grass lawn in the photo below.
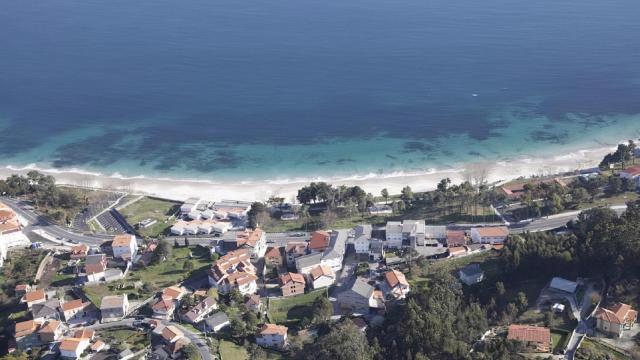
(602, 200)
(596, 347)
(125, 339)
(559, 340)
(161, 275)
(291, 310)
(151, 208)
(230, 351)
(489, 262)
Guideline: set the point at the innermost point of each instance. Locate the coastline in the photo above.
(180, 189)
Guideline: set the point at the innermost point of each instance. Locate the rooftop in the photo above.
(273, 329)
(113, 301)
(123, 240)
(395, 277)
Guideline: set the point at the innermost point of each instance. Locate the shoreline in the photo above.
(180, 189)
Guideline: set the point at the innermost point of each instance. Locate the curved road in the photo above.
(200, 344)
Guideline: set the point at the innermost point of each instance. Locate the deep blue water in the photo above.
(266, 89)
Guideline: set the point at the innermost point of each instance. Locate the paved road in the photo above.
(553, 222)
(200, 344)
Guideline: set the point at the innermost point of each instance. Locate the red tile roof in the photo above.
(35, 296)
(493, 231)
(618, 314)
(273, 329)
(321, 270)
(541, 336)
(319, 240)
(289, 277)
(456, 238)
(395, 277)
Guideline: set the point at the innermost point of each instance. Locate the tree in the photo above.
(187, 266)
(407, 194)
(521, 302)
(238, 328)
(214, 257)
(251, 320)
(257, 353)
(162, 251)
(322, 310)
(385, 195)
(257, 215)
(190, 352)
(344, 341)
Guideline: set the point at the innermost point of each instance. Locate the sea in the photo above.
(284, 90)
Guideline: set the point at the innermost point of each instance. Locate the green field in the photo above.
(158, 276)
(151, 208)
(231, 351)
(599, 349)
(489, 262)
(123, 339)
(291, 310)
(559, 340)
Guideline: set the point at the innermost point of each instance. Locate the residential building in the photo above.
(457, 251)
(534, 337)
(198, 312)
(163, 308)
(471, 274)
(79, 252)
(393, 234)
(51, 331)
(376, 250)
(253, 303)
(10, 232)
(436, 233)
(124, 246)
(380, 210)
(304, 264)
(216, 322)
(321, 276)
(49, 309)
(456, 238)
(114, 307)
(515, 191)
(72, 348)
(291, 284)
(616, 320)
(234, 209)
(334, 255)
(272, 336)
(95, 267)
(319, 241)
(34, 297)
(190, 205)
(274, 256)
(361, 244)
(414, 232)
(489, 235)
(397, 284)
(26, 333)
(359, 298)
(563, 285)
(631, 172)
(84, 334)
(255, 241)
(294, 250)
(234, 271)
(209, 226)
(173, 293)
(22, 289)
(363, 230)
(75, 309)
(98, 346)
(171, 334)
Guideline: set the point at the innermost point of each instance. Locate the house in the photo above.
(362, 244)
(272, 336)
(173, 293)
(209, 226)
(234, 271)
(75, 309)
(198, 312)
(393, 234)
(95, 266)
(471, 274)
(114, 307)
(294, 250)
(376, 250)
(216, 322)
(380, 210)
(457, 251)
(11, 234)
(98, 346)
(190, 205)
(79, 251)
(489, 235)
(414, 232)
(274, 256)
(436, 234)
(72, 348)
(84, 334)
(616, 319)
(171, 334)
(359, 298)
(49, 309)
(304, 264)
(163, 308)
(456, 238)
(234, 209)
(363, 230)
(334, 255)
(255, 241)
(397, 283)
(253, 303)
(321, 276)
(51, 331)
(515, 191)
(124, 246)
(535, 337)
(34, 297)
(631, 172)
(291, 284)
(319, 241)
(563, 285)
(25, 333)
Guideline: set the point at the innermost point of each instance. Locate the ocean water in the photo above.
(301, 89)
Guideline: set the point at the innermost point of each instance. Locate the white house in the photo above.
(304, 264)
(216, 322)
(471, 274)
(397, 284)
(272, 336)
(489, 235)
(114, 307)
(254, 240)
(334, 255)
(617, 319)
(190, 205)
(361, 244)
(72, 348)
(234, 271)
(321, 276)
(124, 246)
(633, 173)
(393, 235)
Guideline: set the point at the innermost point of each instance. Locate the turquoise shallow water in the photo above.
(306, 89)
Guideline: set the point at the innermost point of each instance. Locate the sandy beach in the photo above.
(177, 189)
